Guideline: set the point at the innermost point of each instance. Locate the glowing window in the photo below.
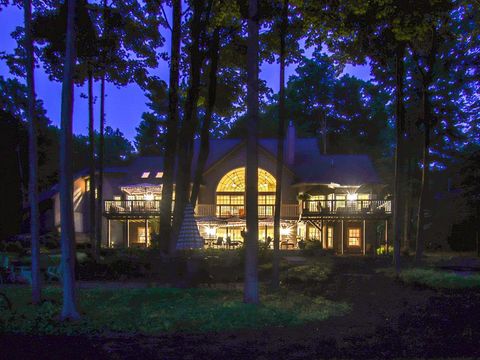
(330, 237)
(354, 237)
(159, 175)
(234, 181)
(145, 175)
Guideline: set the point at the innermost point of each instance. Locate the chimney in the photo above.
(290, 145)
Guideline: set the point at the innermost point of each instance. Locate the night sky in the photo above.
(124, 106)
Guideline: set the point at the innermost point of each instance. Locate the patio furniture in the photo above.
(219, 242)
(54, 273)
(286, 245)
(24, 274)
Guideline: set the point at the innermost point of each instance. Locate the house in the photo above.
(336, 199)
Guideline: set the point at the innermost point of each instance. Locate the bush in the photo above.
(382, 250)
(15, 247)
(313, 247)
(308, 274)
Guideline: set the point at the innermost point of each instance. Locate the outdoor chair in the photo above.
(54, 273)
(219, 242)
(4, 261)
(24, 274)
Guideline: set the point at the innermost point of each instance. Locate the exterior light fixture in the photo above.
(148, 196)
(285, 231)
(211, 231)
(352, 197)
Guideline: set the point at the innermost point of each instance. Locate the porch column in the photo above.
(342, 238)
(364, 238)
(109, 242)
(146, 232)
(386, 236)
(128, 233)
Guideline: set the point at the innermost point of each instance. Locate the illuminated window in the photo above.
(230, 199)
(117, 197)
(317, 203)
(314, 233)
(354, 237)
(159, 175)
(87, 185)
(234, 181)
(329, 237)
(145, 175)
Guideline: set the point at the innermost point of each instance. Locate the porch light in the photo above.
(211, 231)
(285, 231)
(148, 196)
(352, 197)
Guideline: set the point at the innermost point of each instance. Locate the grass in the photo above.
(160, 310)
(440, 279)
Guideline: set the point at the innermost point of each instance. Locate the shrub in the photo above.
(313, 247)
(382, 250)
(308, 274)
(15, 247)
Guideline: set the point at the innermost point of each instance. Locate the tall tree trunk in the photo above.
(424, 189)
(91, 140)
(101, 141)
(205, 131)
(32, 155)
(280, 152)
(172, 123)
(69, 309)
(101, 155)
(187, 131)
(398, 201)
(250, 290)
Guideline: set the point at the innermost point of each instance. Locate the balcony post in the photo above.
(386, 236)
(128, 233)
(364, 238)
(146, 232)
(342, 236)
(109, 240)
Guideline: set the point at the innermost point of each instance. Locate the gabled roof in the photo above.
(309, 165)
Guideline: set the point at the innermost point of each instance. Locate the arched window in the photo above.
(230, 197)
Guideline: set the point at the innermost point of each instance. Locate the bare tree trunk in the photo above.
(69, 309)
(205, 131)
(280, 152)
(187, 131)
(424, 190)
(101, 144)
(250, 290)
(91, 140)
(398, 201)
(32, 155)
(172, 123)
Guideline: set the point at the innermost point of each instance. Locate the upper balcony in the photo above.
(308, 209)
(347, 208)
(141, 208)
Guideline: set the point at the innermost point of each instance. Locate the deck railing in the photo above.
(311, 207)
(132, 206)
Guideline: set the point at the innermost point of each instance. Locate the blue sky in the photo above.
(124, 106)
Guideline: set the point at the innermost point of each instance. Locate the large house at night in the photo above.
(331, 198)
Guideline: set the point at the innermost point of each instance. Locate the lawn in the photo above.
(440, 279)
(160, 310)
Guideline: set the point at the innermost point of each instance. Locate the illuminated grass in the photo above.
(439, 279)
(159, 310)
